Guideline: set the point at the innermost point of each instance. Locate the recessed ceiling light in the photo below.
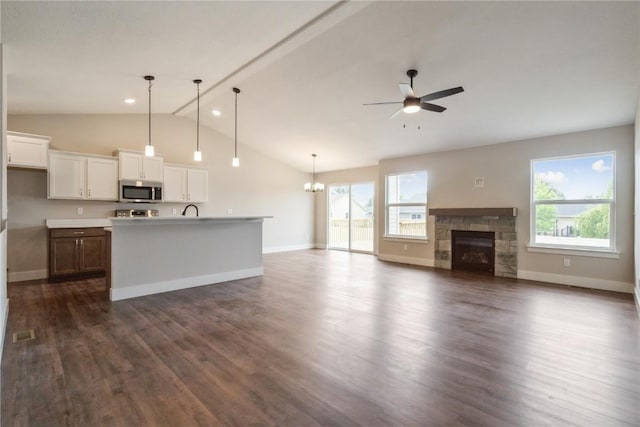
(216, 113)
(129, 100)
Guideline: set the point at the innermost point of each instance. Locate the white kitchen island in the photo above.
(153, 255)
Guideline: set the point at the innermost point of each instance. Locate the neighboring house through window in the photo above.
(406, 205)
(573, 202)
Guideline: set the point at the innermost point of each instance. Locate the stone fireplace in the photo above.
(499, 221)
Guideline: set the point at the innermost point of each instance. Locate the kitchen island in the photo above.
(154, 255)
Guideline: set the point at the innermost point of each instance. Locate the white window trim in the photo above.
(604, 252)
(387, 205)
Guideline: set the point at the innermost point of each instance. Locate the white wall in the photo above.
(637, 207)
(261, 186)
(4, 301)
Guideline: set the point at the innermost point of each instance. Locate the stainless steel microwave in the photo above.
(140, 191)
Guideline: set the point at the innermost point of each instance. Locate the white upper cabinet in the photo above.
(26, 150)
(184, 184)
(197, 185)
(137, 166)
(102, 178)
(66, 176)
(175, 184)
(77, 176)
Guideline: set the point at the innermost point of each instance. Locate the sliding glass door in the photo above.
(351, 217)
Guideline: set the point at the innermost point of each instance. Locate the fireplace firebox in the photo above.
(473, 251)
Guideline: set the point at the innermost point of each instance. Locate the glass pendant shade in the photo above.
(197, 156)
(149, 151)
(235, 162)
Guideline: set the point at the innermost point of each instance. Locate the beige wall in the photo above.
(349, 176)
(261, 186)
(506, 170)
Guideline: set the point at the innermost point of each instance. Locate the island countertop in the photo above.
(183, 220)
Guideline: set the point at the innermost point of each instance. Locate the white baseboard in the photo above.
(320, 246)
(425, 262)
(577, 281)
(274, 249)
(21, 276)
(637, 298)
(118, 294)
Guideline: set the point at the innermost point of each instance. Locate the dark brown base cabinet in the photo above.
(76, 253)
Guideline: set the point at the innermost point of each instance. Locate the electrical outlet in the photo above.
(229, 211)
(80, 211)
(406, 247)
(567, 262)
(175, 211)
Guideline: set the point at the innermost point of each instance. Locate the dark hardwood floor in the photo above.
(324, 338)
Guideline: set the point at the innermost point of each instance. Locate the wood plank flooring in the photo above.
(324, 338)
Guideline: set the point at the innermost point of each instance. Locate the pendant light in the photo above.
(197, 155)
(313, 186)
(148, 149)
(236, 161)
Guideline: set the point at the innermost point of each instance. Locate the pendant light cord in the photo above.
(198, 120)
(149, 112)
(149, 79)
(235, 151)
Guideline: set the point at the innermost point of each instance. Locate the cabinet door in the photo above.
(91, 254)
(102, 179)
(131, 166)
(152, 167)
(197, 180)
(63, 257)
(175, 184)
(66, 176)
(25, 151)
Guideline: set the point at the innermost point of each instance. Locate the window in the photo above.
(573, 202)
(406, 205)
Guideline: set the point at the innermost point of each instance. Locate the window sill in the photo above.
(420, 240)
(595, 253)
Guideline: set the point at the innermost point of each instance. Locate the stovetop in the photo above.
(136, 213)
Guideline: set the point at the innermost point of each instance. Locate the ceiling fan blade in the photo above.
(395, 113)
(441, 94)
(405, 89)
(384, 103)
(432, 107)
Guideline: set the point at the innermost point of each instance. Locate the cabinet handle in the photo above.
(9, 157)
(76, 242)
(88, 192)
(81, 242)
(81, 192)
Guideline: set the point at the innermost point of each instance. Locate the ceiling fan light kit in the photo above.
(412, 104)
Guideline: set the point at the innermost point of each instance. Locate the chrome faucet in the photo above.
(184, 212)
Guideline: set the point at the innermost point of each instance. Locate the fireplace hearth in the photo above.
(473, 251)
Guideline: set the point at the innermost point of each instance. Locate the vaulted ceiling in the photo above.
(305, 68)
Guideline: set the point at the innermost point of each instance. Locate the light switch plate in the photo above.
(478, 182)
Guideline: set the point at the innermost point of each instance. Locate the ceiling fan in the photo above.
(413, 104)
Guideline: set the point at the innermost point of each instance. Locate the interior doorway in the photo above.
(351, 217)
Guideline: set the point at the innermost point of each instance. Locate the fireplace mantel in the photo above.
(473, 211)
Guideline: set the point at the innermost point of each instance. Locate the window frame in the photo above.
(566, 248)
(387, 205)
